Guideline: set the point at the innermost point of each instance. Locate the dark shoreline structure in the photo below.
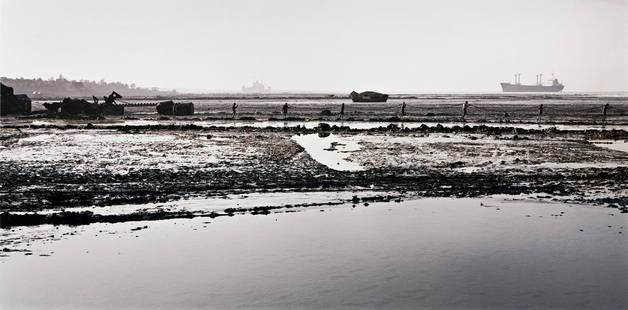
(11, 103)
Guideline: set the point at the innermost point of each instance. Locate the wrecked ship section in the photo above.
(175, 108)
(83, 109)
(11, 103)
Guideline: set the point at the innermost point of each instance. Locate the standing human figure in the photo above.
(465, 105)
(285, 110)
(403, 109)
(342, 110)
(540, 112)
(234, 109)
(604, 110)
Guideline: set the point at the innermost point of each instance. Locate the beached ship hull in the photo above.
(508, 88)
(368, 96)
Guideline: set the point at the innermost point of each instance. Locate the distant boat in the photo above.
(257, 87)
(539, 87)
(368, 96)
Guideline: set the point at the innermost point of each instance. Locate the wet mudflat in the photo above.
(169, 214)
(54, 167)
(503, 252)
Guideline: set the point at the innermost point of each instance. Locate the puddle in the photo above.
(361, 125)
(331, 151)
(618, 145)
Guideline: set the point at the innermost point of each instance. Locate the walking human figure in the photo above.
(465, 105)
(403, 109)
(285, 110)
(234, 109)
(540, 112)
(342, 110)
(604, 110)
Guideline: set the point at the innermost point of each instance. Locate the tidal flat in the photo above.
(181, 214)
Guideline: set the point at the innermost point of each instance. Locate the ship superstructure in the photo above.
(556, 86)
(256, 87)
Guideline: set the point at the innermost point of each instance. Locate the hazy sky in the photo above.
(392, 46)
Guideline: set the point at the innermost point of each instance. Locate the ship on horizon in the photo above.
(256, 88)
(539, 87)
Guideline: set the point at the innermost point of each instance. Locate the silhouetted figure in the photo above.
(234, 109)
(285, 110)
(465, 105)
(540, 112)
(403, 109)
(342, 110)
(95, 99)
(604, 110)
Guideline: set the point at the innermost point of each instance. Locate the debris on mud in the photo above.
(81, 108)
(69, 107)
(172, 108)
(109, 107)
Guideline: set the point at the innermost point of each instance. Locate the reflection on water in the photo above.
(618, 145)
(330, 150)
(429, 253)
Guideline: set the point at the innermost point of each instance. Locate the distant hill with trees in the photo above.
(61, 87)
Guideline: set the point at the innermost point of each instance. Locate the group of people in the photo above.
(284, 109)
(465, 106)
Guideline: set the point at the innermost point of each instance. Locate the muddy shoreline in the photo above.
(76, 218)
(324, 127)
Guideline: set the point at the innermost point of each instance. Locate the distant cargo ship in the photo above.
(368, 96)
(539, 87)
(257, 87)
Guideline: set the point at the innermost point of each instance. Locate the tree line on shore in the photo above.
(62, 87)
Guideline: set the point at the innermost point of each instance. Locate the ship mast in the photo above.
(517, 78)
